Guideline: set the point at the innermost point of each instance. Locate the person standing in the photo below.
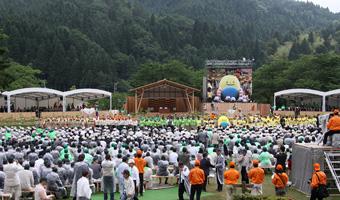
(184, 184)
(129, 187)
(319, 179)
(84, 190)
(196, 178)
(205, 165)
(281, 158)
(79, 168)
(134, 174)
(231, 177)
(108, 177)
(280, 180)
(123, 166)
(220, 167)
(256, 175)
(140, 164)
(12, 181)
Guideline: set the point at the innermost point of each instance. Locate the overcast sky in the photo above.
(333, 5)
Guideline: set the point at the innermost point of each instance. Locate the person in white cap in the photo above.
(135, 176)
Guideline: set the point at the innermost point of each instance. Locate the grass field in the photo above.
(171, 194)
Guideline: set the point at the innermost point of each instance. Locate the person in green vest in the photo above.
(88, 157)
(52, 134)
(65, 152)
(8, 135)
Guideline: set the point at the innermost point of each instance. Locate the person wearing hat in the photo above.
(196, 178)
(220, 167)
(280, 180)
(140, 164)
(333, 126)
(318, 178)
(231, 177)
(135, 176)
(256, 176)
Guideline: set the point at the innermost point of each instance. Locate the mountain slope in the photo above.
(269, 15)
(95, 43)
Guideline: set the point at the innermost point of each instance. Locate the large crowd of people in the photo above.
(130, 160)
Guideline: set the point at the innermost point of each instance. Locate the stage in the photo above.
(237, 108)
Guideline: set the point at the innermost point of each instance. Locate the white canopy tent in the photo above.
(38, 95)
(300, 93)
(86, 94)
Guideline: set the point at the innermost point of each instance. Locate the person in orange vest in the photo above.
(256, 176)
(333, 126)
(280, 180)
(140, 164)
(318, 179)
(231, 177)
(196, 178)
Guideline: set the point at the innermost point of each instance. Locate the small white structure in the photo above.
(314, 95)
(86, 94)
(44, 96)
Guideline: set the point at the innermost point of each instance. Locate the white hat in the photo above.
(131, 161)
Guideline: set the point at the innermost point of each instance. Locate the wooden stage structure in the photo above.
(164, 96)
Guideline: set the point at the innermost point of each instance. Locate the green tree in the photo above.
(4, 61)
(17, 76)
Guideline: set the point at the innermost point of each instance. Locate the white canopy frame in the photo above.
(86, 94)
(302, 91)
(41, 94)
(35, 94)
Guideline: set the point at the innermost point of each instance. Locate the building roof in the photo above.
(34, 93)
(299, 92)
(165, 82)
(87, 94)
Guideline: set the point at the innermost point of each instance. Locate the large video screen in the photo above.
(229, 83)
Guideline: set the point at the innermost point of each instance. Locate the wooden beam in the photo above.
(141, 99)
(186, 93)
(193, 101)
(136, 102)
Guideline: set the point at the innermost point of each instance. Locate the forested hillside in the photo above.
(95, 43)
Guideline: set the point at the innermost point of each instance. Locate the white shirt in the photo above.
(40, 193)
(129, 188)
(83, 188)
(135, 174)
(173, 157)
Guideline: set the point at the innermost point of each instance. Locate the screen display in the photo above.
(229, 83)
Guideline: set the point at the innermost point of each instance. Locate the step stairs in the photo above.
(332, 170)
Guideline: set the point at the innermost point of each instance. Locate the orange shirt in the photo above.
(315, 181)
(140, 164)
(280, 181)
(231, 176)
(334, 123)
(196, 176)
(256, 175)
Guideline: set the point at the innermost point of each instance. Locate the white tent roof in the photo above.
(333, 92)
(299, 92)
(87, 94)
(34, 93)
(41, 94)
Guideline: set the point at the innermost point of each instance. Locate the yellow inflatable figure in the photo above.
(230, 81)
(222, 119)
